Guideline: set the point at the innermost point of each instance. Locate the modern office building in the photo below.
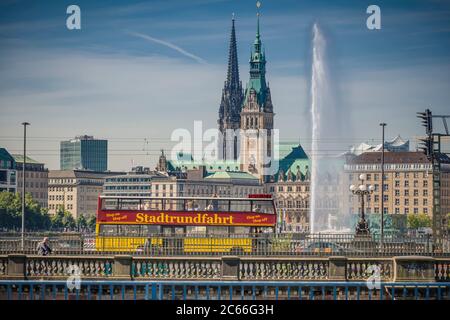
(36, 179)
(76, 191)
(7, 171)
(84, 153)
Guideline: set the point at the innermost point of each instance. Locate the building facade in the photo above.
(84, 153)
(36, 179)
(137, 183)
(76, 191)
(290, 188)
(408, 183)
(8, 178)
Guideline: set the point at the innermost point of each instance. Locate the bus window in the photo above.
(262, 206)
(128, 230)
(217, 230)
(129, 204)
(109, 204)
(217, 205)
(149, 230)
(173, 204)
(195, 230)
(240, 230)
(240, 205)
(108, 229)
(151, 204)
(196, 205)
(146, 204)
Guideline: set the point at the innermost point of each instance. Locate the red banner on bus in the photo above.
(194, 218)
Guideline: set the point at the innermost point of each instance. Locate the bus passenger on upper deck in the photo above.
(146, 205)
(257, 208)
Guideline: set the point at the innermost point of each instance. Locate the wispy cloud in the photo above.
(169, 45)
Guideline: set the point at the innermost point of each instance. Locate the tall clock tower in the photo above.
(257, 115)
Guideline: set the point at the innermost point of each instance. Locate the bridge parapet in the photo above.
(126, 267)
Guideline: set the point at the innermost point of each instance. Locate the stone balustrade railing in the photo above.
(126, 267)
(283, 269)
(360, 269)
(176, 268)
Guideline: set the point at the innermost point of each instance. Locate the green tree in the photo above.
(81, 222)
(416, 221)
(57, 219)
(91, 221)
(68, 221)
(63, 219)
(36, 218)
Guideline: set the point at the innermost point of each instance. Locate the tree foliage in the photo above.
(416, 221)
(37, 218)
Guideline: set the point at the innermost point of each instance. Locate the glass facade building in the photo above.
(84, 153)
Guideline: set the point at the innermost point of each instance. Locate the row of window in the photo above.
(32, 184)
(52, 189)
(299, 204)
(56, 206)
(377, 167)
(396, 210)
(376, 198)
(60, 197)
(31, 174)
(289, 189)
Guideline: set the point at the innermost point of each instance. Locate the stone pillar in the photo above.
(414, 268)
(17, 266)
(337, 269)
(230, 267)
(122, 267)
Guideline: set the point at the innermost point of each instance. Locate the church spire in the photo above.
(232, 97)
(233, 67)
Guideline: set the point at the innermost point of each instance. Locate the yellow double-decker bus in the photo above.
(182, 224)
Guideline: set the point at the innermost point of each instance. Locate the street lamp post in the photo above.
(382, 181)
(362, 227)
(25, 124)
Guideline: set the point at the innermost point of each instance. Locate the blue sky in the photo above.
(108, 79)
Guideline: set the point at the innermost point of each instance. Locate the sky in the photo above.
(138, 70)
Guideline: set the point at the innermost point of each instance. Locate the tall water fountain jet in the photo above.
(326, 164)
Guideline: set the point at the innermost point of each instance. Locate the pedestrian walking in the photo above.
(43, 248)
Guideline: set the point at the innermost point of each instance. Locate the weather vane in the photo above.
(258, 5)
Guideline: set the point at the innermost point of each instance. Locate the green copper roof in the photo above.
(6, 156)
(257, 79)
(231, 175)
(292, 157)
(183, 165)
(19, 158)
